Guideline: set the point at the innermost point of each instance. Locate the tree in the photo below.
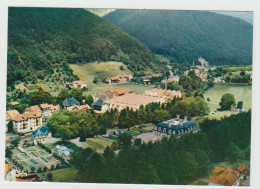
(109, 154)
(62, 95)
(137, 142)
(15, 142)
(242, 73)
(45, 169)
(32, 169)
(124, 139)
(240, 104)
(10, 126)
(52, 167)
(40, 96)
(114, 145)
(49, 176)
(89, 100)
(77, 94)
(8, 152)
(232, 152)
(39, 170)
(227, 101)
(122, 67)
(96, 80)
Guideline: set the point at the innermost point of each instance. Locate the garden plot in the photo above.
(34, 156)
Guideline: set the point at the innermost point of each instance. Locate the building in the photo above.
(219, 80)
(119, 79)
(14, 103)
(99, 104)
(203, 76)
(70, 102)
(41, 134)
(79, 84)
(80, 108)
(224, 176)
(104, 97)
(132, 101)
(27, 122)
(63, 151)
(120, 91)
(171, 79)
(10, 173)
(176, 127)
(10, 115)
(45, 110)
(166, 94)
(243, 171)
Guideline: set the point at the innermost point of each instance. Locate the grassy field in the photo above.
(88, 72)
(97, 143)
(241, 93)
(62, 175)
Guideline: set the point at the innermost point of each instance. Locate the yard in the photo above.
(62, 175)
(241, 93)
(97, 143)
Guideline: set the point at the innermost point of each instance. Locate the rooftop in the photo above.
(25, 116)
(79, 82)
(11, 114)
(224, 176)
(70, 102)
(120, 91)
(42, 131)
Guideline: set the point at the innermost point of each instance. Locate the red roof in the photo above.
(120, 91)
(224, 176)
(79, 82)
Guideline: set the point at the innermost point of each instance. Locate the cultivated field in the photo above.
(36, 157)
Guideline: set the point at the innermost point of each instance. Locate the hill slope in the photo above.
(42, 41)
(187, 35)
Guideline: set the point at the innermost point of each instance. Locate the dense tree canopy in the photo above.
(227, 101)
(42, 41)
(185, 36)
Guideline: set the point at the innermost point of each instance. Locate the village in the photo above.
(34, 150)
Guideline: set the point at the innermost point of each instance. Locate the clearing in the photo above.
(102, 70)
(62, 175)
(241, 93)
(97, 143)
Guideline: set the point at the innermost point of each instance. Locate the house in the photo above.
(69, 102)
(132, 101)
(80, 108)
(203, 76)
(176, 127)
(10, 115)
(41, 134)
(27, 122)
(45, 110)
(63, 151)
(14, 103)
(219, 80)
(10, 173)
(243, 171)
(147, 81)
(120, 91)
(79, 84)
(224, 176)
(99, 104)
(166, 94)
(171, 79)
(119, 79)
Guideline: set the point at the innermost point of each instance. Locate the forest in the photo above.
(171, 160)
(42, 41)
(184, 36)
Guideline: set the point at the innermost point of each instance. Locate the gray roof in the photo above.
(42, 131)
(68, 102)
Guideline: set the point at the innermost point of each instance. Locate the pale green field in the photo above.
(97, 143)
(62, 175)
(241, 93)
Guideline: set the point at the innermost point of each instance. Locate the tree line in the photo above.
(171, 160)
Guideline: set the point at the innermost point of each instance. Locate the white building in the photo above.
(79, 84)
(27, 122)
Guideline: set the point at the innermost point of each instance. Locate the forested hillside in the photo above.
(42, 41)
(187, 35)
